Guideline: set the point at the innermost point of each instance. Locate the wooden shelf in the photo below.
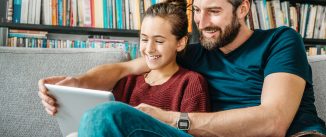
(318, 2)
(315, 41)
(74, 30)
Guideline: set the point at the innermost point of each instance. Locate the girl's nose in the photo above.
(150, 47)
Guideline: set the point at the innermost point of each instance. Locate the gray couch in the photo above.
(21, 112)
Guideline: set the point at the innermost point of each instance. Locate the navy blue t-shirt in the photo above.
(236, 79)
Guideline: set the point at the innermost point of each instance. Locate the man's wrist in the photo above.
(183, 123)
(173, 117)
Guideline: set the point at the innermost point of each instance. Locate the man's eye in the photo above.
(195, 10)
(214, 11)
(159, 42)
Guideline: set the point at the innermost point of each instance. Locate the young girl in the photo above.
(167, 85)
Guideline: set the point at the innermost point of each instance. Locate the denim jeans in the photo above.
(117, 119)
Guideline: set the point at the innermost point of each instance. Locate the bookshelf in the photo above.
(307, 17)
(133, 32)
(311, 42)
(67, 23)
(73, 30)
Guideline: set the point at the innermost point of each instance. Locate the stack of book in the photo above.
(40, 39)
(112, 14)
(307, 19)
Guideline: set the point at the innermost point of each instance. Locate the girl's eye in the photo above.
(144, 40)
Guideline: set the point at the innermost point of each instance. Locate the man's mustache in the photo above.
(211, 28)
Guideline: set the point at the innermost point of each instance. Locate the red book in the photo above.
(92, 14)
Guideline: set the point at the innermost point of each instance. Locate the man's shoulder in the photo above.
(283, 31)
(280, 36)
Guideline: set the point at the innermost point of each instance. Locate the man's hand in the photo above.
(49, 101)
(168, 117)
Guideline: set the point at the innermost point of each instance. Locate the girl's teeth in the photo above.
(155, 57)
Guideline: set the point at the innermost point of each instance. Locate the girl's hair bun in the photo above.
(180, 3)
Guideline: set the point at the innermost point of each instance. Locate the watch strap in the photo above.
(184, 116)
(183, 123)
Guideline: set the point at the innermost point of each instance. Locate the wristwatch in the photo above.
(183, 122)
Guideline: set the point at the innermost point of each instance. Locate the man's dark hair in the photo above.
(235, 4)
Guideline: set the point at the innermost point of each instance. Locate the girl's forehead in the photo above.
(156, 26)
(156, 23)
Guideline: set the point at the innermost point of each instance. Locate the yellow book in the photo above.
(98, 8)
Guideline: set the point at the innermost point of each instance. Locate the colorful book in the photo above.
(119, 13)
(17, 11)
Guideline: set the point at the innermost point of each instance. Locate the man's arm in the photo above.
(104, 77)
(281, 96)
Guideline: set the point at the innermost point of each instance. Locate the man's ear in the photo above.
(182, 43)
(243, 9)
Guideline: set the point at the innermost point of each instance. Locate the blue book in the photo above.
(105, 14)
(77, 44)
(110, 14)
(44, 42)
(17, 11)
(24, 35)
(154, 2)
(60, 12)
(119, 12)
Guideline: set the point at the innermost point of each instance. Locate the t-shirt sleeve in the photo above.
(189, 58)
(287, 54)
(195, 97)
(121, 90)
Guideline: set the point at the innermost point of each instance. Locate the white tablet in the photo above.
(73, 102)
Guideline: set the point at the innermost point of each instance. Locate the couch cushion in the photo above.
(21, 112)
(318, 66)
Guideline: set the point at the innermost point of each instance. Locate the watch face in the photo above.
(183, 124)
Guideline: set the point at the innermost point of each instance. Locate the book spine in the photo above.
(87, 19)
(9, 12)
(119, 14)
(92, 13)
(3, 36)
(68, 13)
(60, 12)
(54, 12)
(105, 14)
(17, 10)
(64, 11)
(110, 14)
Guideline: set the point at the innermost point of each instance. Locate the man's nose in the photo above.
(202, 20)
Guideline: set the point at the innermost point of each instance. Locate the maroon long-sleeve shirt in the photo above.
(185, 91)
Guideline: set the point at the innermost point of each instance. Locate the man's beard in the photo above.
(224, 38)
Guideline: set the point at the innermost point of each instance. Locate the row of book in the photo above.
(39, 39)
(318, 50)
(307, 19)
(113, 14)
